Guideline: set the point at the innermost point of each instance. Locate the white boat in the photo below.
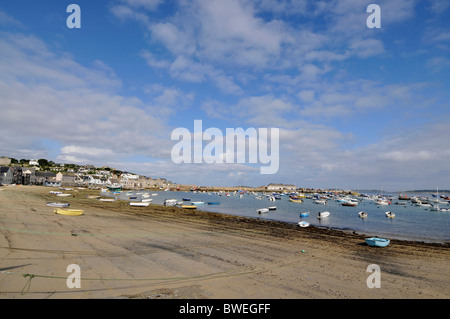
(147, 200)
(320, 201)
(362, 214)
(303, 224)
(323, 214)
(63, 195)
(170, 202)
(106, 200)
(141, 204)
(58, 204)
(382, 202)
(263, 210)
(272, 207)
(390, 214)
(197, 203)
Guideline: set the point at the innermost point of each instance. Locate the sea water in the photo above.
(411, 222)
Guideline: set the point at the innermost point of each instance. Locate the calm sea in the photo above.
(411, 222)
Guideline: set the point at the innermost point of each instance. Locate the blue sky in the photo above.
(356, 107)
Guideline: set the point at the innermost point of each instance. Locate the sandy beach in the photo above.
(167, 252)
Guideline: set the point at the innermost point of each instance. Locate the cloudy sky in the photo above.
(356, 107)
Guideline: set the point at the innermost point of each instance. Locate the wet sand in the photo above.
(167, 252)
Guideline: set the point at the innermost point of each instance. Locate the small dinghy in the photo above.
(390, 215)
(263, 211)
(63, 195)
(272, 207)
(69, 212)
(140, 204)
(303, 224)
(189, 206)
(213, 203)
(58, 204)
(304, 214)
(377, 242)
(323, 214)
(170, 202)
(362, 214)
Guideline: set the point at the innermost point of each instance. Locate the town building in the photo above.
(280, 187)
(6, 175)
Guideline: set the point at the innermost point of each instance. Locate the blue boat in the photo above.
(377, 242)
(213, 203)
(186, 199)
(304, 214)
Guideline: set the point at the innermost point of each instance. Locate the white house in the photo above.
(33, 162)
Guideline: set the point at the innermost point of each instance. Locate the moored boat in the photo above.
(213, 203)
(170, 202)
(140, 204)
(304, 214)
(382, 202)
(352, 204)
(63, 195)
(390, 214)
(189, 206)
(362, 214)
(58, 204)
(323, 214)
(377, 242)
(115, 188)
(263, 210)
(272, 207)
(296, 200)
(69, 212)
(303, 224)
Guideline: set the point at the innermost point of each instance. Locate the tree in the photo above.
(42, 162)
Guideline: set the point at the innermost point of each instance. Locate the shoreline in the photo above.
(192, 254)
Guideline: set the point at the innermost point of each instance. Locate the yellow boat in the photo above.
(189, 206)
(69, 212)
(296, 200)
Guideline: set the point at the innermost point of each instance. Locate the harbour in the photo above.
(411, 222)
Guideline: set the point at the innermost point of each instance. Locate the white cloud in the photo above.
(48, 96)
